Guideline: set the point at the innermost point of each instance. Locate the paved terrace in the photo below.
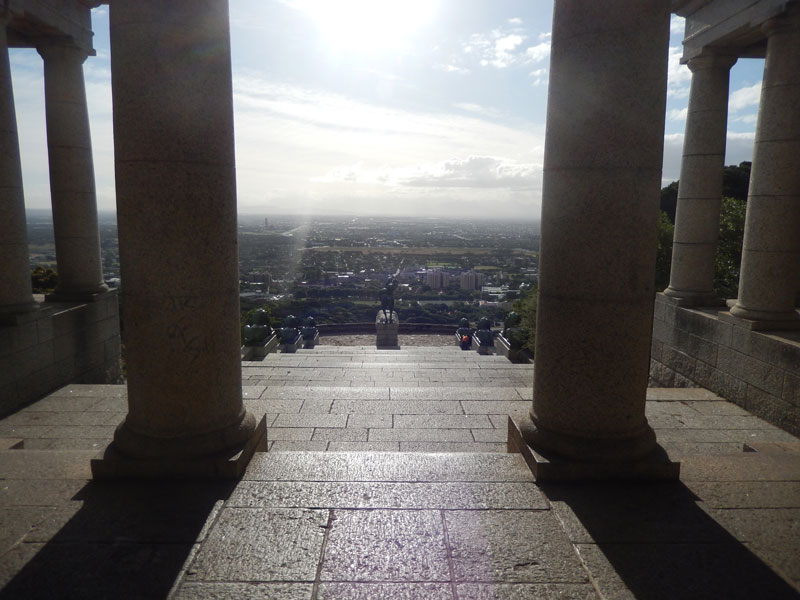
(414, 498)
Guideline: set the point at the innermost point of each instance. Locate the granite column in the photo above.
(72, 185)
(602, 174)
(176, 208)
(771, 248)
(15, 273)
(700, 189)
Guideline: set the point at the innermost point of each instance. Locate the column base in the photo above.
(686, 299)
(67, 296)
(112, 464)
(547, 466)
(14, 314)
(746, 319)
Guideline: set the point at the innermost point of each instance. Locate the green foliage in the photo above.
(666, 231)
(526, 308)
(43, 280)
(729, 247)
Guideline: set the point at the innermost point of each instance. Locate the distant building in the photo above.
(470, 280)
(437, 280)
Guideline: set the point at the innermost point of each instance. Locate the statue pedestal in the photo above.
(386, 333)
(291, 347)
(260, 351)
(311, 340)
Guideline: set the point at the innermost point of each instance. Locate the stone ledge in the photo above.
(655, 467)
(780, 325)
(112, 465)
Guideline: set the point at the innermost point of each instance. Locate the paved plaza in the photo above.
(388, 477)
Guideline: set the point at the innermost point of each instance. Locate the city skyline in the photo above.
(424, 107)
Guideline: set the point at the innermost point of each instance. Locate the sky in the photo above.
(431, 107)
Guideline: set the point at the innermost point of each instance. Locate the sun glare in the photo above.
(368, 24)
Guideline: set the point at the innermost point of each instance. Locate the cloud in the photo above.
(675, 114)
(677, 25)
(451, 69)
(301, 148)
(473, 172)
(538, 53)
(479, 172)
(515, 21)
(477, 109)
(503, 48)
(745, 97)
(538, 77)
(679, 77)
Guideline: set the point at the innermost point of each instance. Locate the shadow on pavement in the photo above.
(657, 541)
(115, 540)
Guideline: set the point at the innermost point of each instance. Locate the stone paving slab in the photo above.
(371, 495)
(365, 466)
(261, 544)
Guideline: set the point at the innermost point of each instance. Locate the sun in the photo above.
(368, 25)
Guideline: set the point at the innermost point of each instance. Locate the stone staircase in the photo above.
(387, 477)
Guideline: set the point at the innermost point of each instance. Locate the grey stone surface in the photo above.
(364, 446)
(310, 420)
(525, 591)
(369, 421)
(261, 544)
(381, 545)
(441, 421)
(420, 435)
(370, 495)
(511, 546)
(243, 591)
(750, 466)
(387, 591)
(359, 466)
(452, 447)
(38, 492)
(472, 393)
(398, 407)
(685, 571)
(39, 464)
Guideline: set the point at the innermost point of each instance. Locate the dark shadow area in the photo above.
(115, 540)
(660, 543)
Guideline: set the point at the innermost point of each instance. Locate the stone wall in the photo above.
(759, 371)
(60, 343)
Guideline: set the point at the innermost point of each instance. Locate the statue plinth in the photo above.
(386, 331)
(258, 351)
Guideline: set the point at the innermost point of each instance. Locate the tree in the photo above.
(666, 230)
(729, 248)
(526, 308)
(43, 280)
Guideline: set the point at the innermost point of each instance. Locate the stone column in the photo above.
(700, 189)
(602, 174)
(15, 273)
(771, 248)
(176, 209)
(72, 186)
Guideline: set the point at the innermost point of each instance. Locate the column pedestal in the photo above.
(15, 274)
(72, 185)
(771, 248)
(602, 172)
